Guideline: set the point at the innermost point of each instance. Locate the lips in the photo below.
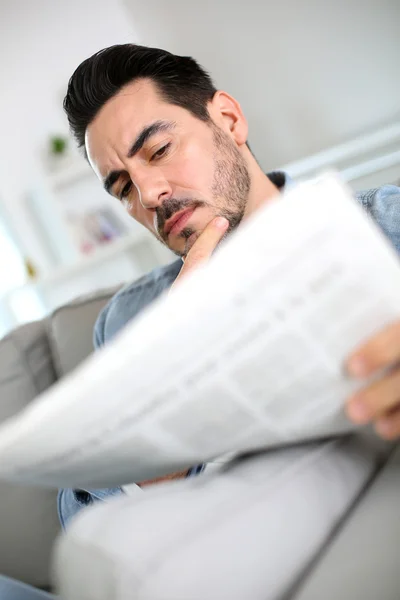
(176, 223)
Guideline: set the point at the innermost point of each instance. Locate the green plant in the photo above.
(58, 144)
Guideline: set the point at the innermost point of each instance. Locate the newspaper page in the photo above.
(245, 353)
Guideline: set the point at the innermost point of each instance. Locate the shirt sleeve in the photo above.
(98, 332)
(383, 205)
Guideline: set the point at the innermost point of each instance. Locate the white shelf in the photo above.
(128, 242)
(69, 173)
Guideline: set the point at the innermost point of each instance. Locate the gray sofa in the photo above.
(32, 358)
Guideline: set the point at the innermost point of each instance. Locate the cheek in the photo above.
(196, 169)
(141, 215)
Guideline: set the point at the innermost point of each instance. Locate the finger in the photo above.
(382, 350)
(388, 427)
(206, 243)
(375, 400)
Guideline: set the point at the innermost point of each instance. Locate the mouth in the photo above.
(175, 224)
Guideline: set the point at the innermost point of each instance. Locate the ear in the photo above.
(227, 113)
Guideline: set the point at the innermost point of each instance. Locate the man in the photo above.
(173, 150)
(191, 178)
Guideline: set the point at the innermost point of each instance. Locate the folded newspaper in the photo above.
(245, 353)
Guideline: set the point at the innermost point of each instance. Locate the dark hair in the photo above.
(179, 79)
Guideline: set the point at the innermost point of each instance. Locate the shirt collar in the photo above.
(280, 179)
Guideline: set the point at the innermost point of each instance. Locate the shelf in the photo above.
(70, 173)
(100, 255)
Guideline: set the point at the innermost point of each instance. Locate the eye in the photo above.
(161, 152)
(125, 190)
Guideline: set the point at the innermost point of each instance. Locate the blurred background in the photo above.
(318, 82)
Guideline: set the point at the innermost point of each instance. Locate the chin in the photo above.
(181, 251)
(191, 241)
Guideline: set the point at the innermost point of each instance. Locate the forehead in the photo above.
(122, 118)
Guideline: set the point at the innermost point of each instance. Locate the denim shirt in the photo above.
(383, 205)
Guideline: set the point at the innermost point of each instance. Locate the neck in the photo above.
(262, 190)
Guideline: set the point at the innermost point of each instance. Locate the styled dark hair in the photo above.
(180, 80)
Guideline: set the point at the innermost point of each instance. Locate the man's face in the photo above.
(173, 172)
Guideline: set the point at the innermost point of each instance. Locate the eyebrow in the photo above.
(146, 133)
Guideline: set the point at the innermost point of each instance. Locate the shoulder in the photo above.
(383, 204)
(131, 299)
(370, 198)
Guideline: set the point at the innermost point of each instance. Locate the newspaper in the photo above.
(247, 352)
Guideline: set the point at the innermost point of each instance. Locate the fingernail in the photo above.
(357, 367)
(357, 411)
(221, 223)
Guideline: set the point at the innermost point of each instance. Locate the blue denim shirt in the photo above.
(383, 204)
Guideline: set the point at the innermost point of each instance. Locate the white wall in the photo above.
(309, 73)
(41, 43)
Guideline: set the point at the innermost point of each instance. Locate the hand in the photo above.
(380, 401)
(204, 246)
(178, 475)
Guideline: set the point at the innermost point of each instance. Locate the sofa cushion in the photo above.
(70, 329)
(28, 516)
(363, 560)
(26, 367)
(32, 358)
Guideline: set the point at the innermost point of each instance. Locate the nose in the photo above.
(153, 189)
